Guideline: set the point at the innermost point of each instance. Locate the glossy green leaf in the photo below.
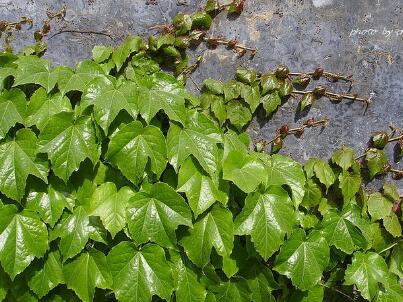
(350, 184)
(267, 218)
(23, 237)
(146, 269)
(342, 233)
(121, 53)
(31, 69)
(101, 53)
(282, 170)
(396, 260)
(42, 107)
(18, 159)
(313, 194)
(163, 93)
(110, 205)
(156, 214)
(201, 189)
(392, 225)
(87, 272)
(375, 160)
(198, 138)
(233, 290)
(366, 271)
(322, 171)
(271, 102)
(378, 206)
(49, 205)
(238, 113)
(68, 142)
(344, 157)
(48, 277)
(109, 99)
(74, 231)
(77, 79)
(246, 171)
(213, 229)
(303, 259)
(13, 107)
(133, 146)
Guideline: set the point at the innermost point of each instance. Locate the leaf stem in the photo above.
(388, 248)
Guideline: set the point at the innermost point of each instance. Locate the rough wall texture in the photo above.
(302, 34)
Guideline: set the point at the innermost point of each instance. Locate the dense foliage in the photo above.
(118, 184)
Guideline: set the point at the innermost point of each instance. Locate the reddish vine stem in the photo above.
(397, 138)
(319, 72)
(232, 44)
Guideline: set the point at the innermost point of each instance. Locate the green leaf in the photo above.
(49, 276)
(31, 69)
(350, 184)
(109, 98)
(392, 225)
(214, 86)
(322, 171)
(261, 281)
(18, 159)
(49, 205)
(393, 290)
(245, 75)
(163, 92)
(344, 157)
(238, 113)
(303, 259)
(271, 102)
(342, 233)
(201, 189)
(198, 138)
(110, 205)
(232, 90)
(146, 269)
(285, 171)
(68, 142)
(313, 194)
(251, 95)
(218, 108)
(139, 145)
(234, 290)
(378, 206)
(188, 288)
(245, 170)
(201, 20)
(267, 218)
(269, 82)
(23, 237)
(396, 260)
(122, 52)
(101, 53)
(366, 271)
(375, 160)
(86, 272)
(14, 107)
(390, 191)
(213, 229)
(156, 214)
(307, 101)
(74, 231)
(42, 107)
(78, 79)
(313, 295)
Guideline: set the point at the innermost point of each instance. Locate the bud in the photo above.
(18, 26)
(379, 140)
(396, 207)
(38, 36)
(259, 146)
(398, 175)
(319, 91)
(284, 130)
(386, 168)
(302, 81)
(232, 43)
(318, 73)
(276, 145)
(300, 132)
(45, 27)
(310, 122)
(282, 72)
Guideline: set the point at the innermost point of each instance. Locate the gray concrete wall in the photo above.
(302, 34)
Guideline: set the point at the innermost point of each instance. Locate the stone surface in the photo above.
(362, 37)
